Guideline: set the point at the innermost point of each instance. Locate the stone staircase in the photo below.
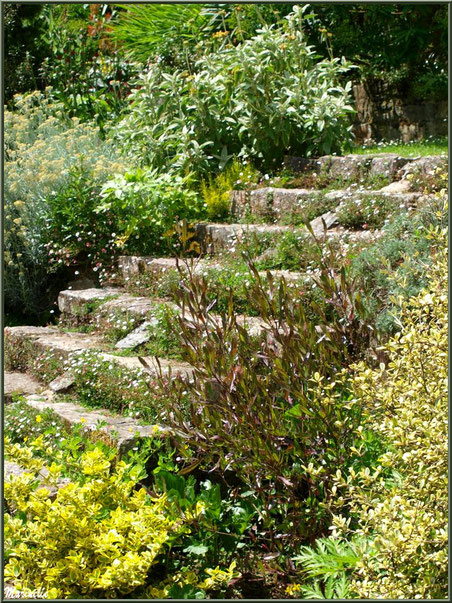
(86, 312)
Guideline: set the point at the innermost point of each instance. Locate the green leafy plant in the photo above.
(144, 205)
(216, 190)
(145, 31)
(87, 73)
(326, 568)
(258, 100)
(367, 212)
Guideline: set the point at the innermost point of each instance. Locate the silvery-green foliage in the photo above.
(268, 96)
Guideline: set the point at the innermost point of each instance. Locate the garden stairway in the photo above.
(132, 307)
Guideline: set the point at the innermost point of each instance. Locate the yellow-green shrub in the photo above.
(215, 191)
(405, 517)
(99, 536)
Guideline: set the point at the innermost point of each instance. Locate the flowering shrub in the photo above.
(367, 212)
(88, 74)
(24, 423)
(42, 148)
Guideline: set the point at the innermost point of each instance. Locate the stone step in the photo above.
(50, 339)
(216, 238)
(350, 167)
(123, 431)
(131, 266)
(83, 301)
(16, 383)
(62, 345)
(278, 202)
(143, 309)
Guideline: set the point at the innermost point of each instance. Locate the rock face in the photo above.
(137, 337)
(387, 165)
(400, 186)
(77, 303)
(329, 219)
(380, 115)
(51, 340)
(424, 165)
(19, 383)
(61, 385)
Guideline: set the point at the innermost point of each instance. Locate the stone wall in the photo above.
(384, 115)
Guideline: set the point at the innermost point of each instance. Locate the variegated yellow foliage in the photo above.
(99, 536)
(405, 517)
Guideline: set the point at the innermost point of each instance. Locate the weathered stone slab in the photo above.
(329, 219)
(286, 201)
(133, 265)
(62, 384)
(220, 236)
(124, 431)
(238, 202)
(159, 266)
(138, 307)
(424, 165)
(19, 383)
(406, 199)
(51, 340)
(349, 167)
(261, 202)
(137, 337)
(400, 186)
(77, 302)
(388, 165)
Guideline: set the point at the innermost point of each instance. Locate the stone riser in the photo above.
(276, 203)
(217, 238)
(350, 167)
(63, 346)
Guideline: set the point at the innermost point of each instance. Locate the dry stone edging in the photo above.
(76, 301)
(280, 201)
(124, 431)
(51, 340)
(351, 166)
(423, 165)
(134, 265)
(218, 237)
(63, 345)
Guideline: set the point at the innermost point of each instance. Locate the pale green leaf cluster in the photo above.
(258, 100)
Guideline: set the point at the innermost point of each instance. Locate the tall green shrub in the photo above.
(259, 100)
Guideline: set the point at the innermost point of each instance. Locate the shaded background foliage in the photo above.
(402, 44)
